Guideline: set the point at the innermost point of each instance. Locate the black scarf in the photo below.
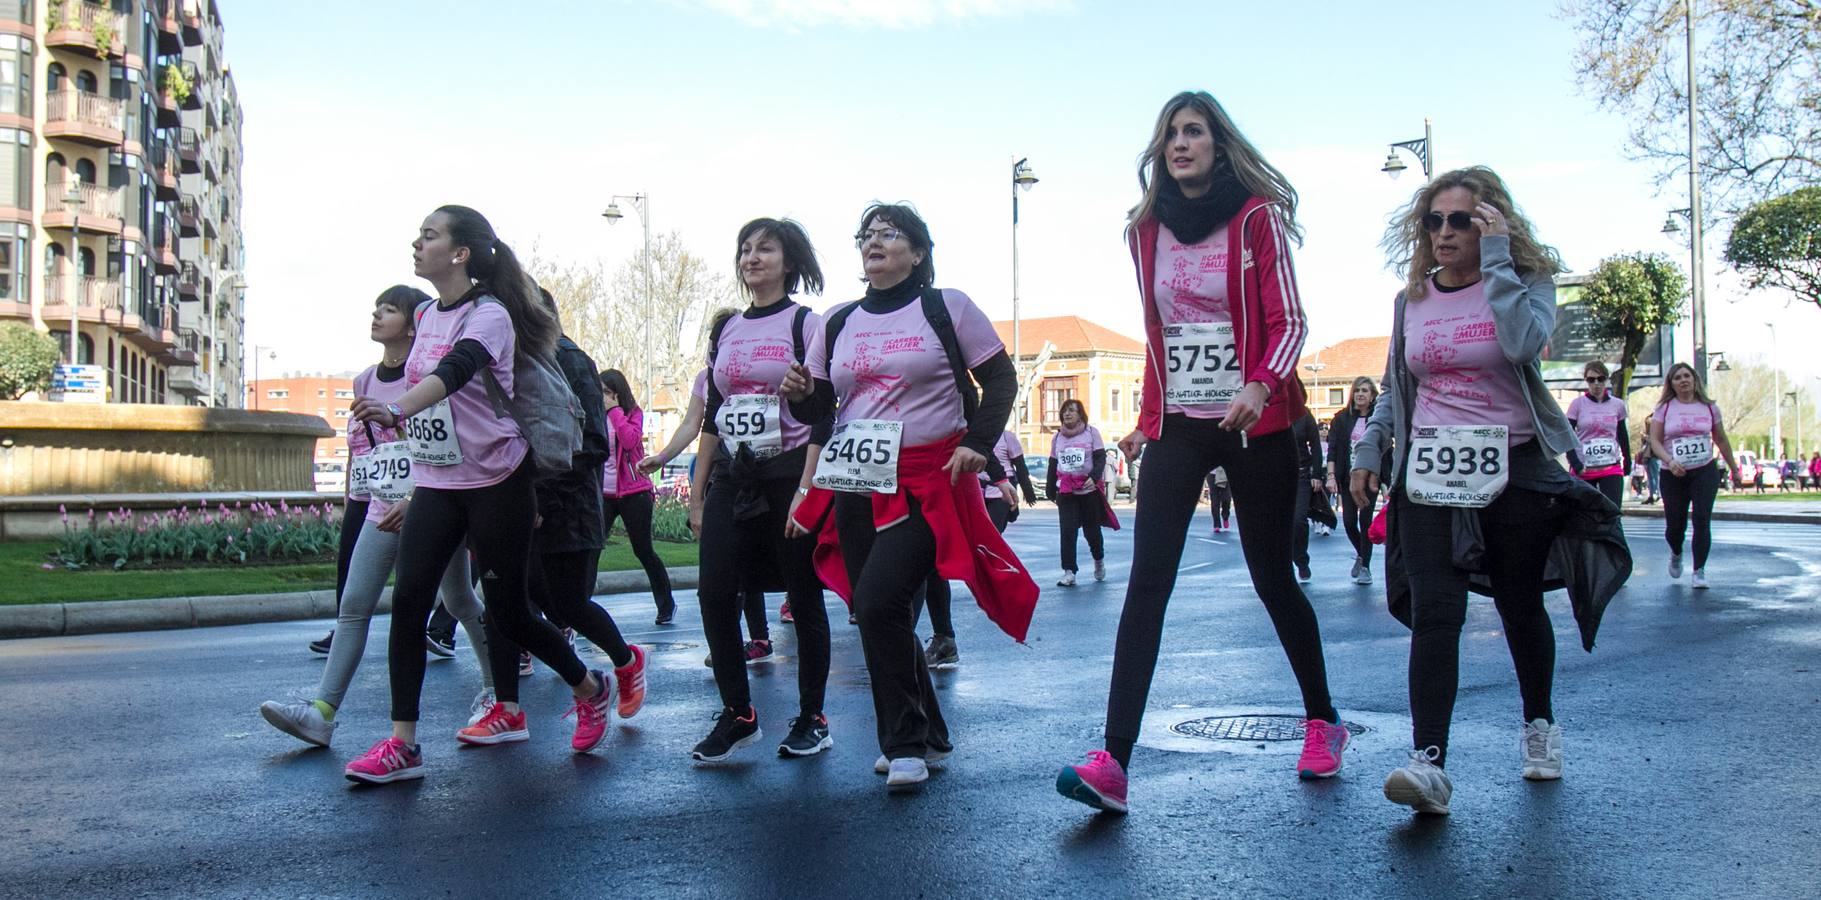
(1193, 219)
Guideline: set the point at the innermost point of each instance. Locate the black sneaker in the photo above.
(667, 614)
(808, 737)
(321, 648)
(440, 646)
(941, 652)
(1303, 573)
(731, 732)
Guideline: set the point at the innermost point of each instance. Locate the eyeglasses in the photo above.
(884, 235)
(1596, 379)
(1459, 221)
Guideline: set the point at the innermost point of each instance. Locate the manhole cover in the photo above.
(1250, 728)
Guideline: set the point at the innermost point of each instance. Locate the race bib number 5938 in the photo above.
(861, 456)
(1457, 465)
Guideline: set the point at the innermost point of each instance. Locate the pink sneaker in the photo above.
(631, 677)
(496, 727)
(1323, 744)
(591, 715)
(387, 761)
(1100, 783)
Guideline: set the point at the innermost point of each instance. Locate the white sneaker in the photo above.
(1675, 565)
(905, 771)
(477, 710)
(932, 758)
(299, 719)
(1421, 785)
(1354, 574)
(1067, 579)
(1542, 749)
(1363, 576)
(1700, 580)
(1100, 570)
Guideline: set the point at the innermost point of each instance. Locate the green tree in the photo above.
(1628, 298)
(27, 358)
(1777, 243)
(1757, 79)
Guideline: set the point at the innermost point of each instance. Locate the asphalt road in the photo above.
(136, 764)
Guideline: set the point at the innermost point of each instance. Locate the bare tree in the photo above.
(582, 300)
(1758, 80)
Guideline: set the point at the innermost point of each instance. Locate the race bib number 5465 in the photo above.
(861, 456)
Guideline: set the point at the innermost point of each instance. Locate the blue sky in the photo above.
(361, 117)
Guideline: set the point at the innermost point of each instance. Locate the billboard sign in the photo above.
(1571, 346)
(79, 384)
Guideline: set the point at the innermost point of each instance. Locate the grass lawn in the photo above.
(1771, 495)
(25, 582)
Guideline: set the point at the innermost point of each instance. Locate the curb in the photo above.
(1656, 512)
(164, 613)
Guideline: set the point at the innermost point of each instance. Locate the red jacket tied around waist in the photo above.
(968, 548)
(1267, 312)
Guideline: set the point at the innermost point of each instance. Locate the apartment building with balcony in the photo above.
(117, 116)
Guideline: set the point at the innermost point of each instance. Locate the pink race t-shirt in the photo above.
(1006, 449)
(1192, 288)
(1074, 455)
(891, 366)
(1687, 420)
(699, 389)
(754, 353)
(372, 383)
(1451, 345)
(1597, 420)
(491, 445)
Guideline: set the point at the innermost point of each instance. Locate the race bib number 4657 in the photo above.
(1202, 363)
(1457, 465)
(861, 456)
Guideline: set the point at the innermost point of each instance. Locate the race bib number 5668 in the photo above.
(431, 434)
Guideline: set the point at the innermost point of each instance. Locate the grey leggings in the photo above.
(371, 565)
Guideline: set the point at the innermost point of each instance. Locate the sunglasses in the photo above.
(1459, 221)
(1596, 379)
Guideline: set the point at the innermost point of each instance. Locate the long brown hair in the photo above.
(1412, 253)
(1258, 176)
(1669, 391)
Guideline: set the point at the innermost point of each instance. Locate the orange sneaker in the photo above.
(496, 727)
(631, 678)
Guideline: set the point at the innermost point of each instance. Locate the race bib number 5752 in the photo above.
(861, 456)
(1201, 360)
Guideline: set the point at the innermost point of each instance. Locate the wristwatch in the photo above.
(398, 415)
(802, 491)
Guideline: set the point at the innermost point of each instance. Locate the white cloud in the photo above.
(870, 13)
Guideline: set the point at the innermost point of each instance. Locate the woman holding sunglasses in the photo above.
(1474, 473)
(1603, 455)
(1224, 325)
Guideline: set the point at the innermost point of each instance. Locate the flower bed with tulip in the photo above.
(253, 534)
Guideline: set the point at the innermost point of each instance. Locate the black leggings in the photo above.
(1264, 478)
(1519, 528)
(999, 510)
(1697, 489)
(636, 510)
(562, 585)
(753, 603)
(885, 569)
(497, 520)
(1080, 512)
(941, 604)
(729, 551)
(1358, 520)
(1613, 486)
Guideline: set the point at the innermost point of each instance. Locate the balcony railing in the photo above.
(96, 202)
(90, 291)
(189, 150)
(84, 108)
(189, 280)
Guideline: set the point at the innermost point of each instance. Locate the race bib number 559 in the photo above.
(861, 456)
(1457, 465)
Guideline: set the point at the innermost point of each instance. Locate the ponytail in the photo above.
(496, 269)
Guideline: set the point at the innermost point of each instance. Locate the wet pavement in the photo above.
(136, 764)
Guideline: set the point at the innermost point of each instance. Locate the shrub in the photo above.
(27, 358)
(670, 521)
(259, 533)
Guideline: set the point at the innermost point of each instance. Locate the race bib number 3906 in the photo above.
(861, 456)
(1457, 465)
(431, 434)
(752, 419)
(1202, 363)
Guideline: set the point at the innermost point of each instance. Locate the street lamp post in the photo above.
(641, 204)
(1315, 369)
(1776, 428)
(72, 201)
(1022, 179)
(1422, 148)
(257, 349)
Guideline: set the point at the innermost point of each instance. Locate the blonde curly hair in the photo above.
(1413, 256)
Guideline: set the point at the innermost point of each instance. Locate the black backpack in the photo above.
(936, 312)
(796, 336)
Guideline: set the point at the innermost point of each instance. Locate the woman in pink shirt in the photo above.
(1210, 239)
(626, 492)
(474, 482)
(1685, 428)
(1604, 452)
(1078, 462)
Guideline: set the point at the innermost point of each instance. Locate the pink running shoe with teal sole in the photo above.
(387, 761)
(1323, 746)
(1099, 783)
